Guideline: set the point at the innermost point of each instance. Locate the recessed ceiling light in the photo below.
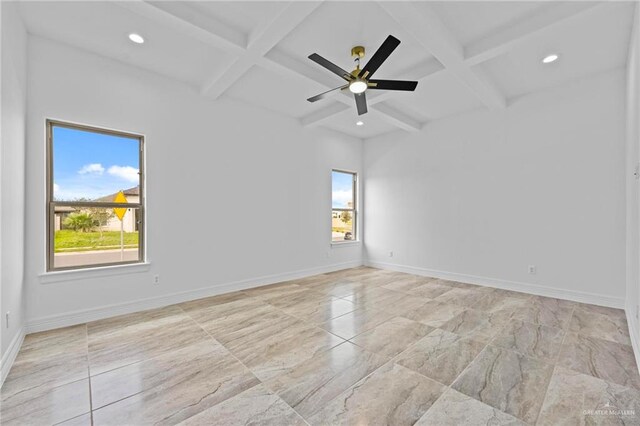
(359, 123)
(550, 58)
(136, 38)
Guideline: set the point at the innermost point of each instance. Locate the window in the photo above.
(95, 197)
(343, 204)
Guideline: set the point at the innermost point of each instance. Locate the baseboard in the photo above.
(539, 290)
(87, 315)
(10, 355)
(633, 334)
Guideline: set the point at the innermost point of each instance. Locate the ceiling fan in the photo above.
(359, 80)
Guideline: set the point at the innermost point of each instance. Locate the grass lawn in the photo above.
(67, 240)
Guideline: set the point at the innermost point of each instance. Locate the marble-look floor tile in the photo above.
(46, 406)
(392, 337)
(546, 311)
(169, 388)
(350, 325)
(580, 399)
(206, 363)
(431, 290)
(338, 288)
(602, 326)
(405, 304)
(478, 325)
(374, 297)
(465, 297)
(508, 381)
(206, 302)
(319, 310)
(604, 359)
(496, 302)
(401, 398)
(614, 313)
(433, 313)
(406, 284)
(310, 385)
(269, 357)
(274, 291)
(441, 355)
(256, 406)
(82, 420)
(533, 340)
(511, 294)
(133, 338)
(47, 360)
(455, 408)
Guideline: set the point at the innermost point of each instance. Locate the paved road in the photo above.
(63, 260)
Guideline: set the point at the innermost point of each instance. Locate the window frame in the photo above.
(51, 203)
(354, 210)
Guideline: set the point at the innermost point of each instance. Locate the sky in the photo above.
(342, 189)
(92, 165)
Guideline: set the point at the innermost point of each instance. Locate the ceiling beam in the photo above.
(427, 28)
(259, 44)
(502, 41)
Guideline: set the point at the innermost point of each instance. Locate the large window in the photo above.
(95, 197)
(343, 204)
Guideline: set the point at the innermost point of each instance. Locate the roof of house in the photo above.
(133, 192)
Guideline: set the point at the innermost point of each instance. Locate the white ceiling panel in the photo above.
(438, 96)
(244, 16)
(471, 20)
(592, 42)
(276, 92)
(103, 28)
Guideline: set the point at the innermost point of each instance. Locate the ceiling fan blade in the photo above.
(330, 66)
(361, 103)
(393, 85)
(380, 56)
(324, 94)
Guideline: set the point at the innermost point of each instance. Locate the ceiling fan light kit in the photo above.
(359, 80)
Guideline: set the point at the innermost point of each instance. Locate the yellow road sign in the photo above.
(120, 211)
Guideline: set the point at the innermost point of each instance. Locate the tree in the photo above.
(345, 216)
(81, 221)
(100, 216)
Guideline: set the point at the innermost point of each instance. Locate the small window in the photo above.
(343, 204)
(95, 197)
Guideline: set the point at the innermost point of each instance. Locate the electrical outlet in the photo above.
(156, 279)
(390, 254)
(532, 269)
(7, 315)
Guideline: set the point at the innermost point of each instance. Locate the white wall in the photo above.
(12, 166)
(633, 199)
(260, 174)
(481, 196)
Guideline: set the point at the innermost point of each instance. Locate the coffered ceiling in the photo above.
(465, 55)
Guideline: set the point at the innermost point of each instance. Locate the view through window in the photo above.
(95, 197)
(343, 204)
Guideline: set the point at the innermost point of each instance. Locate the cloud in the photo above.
(91, 169)
(341, 197)
(56, 188)
(125, 172)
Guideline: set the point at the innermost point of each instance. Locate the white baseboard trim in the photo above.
(539, 290)
(10, 355)
(633, 334)
(87, 315)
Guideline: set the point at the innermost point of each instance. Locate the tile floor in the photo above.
(361, 346)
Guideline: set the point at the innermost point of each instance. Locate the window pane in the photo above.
(342, 226)
(342, 190)
(91, 166)
(86, 236)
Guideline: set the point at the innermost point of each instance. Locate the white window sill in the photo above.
(97, 272)
(337, 244)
